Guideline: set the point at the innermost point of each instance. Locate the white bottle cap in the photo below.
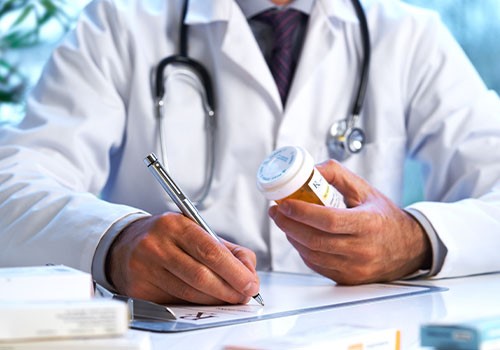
(284, 171)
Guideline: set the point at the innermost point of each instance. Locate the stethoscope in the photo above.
(344, 137)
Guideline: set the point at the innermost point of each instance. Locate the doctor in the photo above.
(74, 190)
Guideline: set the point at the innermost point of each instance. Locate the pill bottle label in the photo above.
(326, 193)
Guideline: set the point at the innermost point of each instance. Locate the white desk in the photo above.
(470, 296)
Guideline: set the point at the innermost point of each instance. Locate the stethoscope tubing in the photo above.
(365, 66)
(208, 92)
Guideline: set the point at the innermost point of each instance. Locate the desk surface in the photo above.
(466, 297)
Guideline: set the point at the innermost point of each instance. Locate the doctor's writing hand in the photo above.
(372, 240)
(170, 259)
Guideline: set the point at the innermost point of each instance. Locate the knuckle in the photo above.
(315, 242)
(148, 245)
(247, 254)
(281, 222)
(201, 276)
(366, 254)
(161, 221)
(210, 254)
(364, 273)
(253, 257)
(186, 293)
(377, 222)
(251, 254)
(332, 223)
(167, 224)
(315, 258)
(353, 276)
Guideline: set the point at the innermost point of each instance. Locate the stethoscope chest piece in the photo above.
(344, 140)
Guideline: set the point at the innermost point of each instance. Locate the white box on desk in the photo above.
(62, 319)
(53, 282)
(132, 340)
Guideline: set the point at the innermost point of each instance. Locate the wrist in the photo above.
(99, 261)
(117, 252)
(438, 249)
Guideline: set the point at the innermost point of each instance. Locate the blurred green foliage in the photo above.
(21, 25)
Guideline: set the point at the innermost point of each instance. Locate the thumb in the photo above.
(354, 188)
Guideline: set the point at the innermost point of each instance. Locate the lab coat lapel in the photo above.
(240, 47)
(319, 44)
(239, 44)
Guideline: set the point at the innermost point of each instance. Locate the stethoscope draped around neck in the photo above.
(344, 138)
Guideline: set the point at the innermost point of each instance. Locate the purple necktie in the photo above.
(284, 23)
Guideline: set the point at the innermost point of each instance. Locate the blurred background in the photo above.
(30, 29)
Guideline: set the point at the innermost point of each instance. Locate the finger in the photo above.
(354, 188)
(218, 270)
(340, 252)
(319, 257)
(343, 276)
(174, 290)
(321, 242)
(328, 266)
(316, 245)
(333, 220)
(166, 288)
(344, 269)
(246, 256)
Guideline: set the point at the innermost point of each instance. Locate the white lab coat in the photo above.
(74, 166)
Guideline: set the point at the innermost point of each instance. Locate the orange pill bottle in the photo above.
(289, 173)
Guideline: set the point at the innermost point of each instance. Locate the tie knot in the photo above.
(284, 22)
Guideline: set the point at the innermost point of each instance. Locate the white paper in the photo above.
(284, 294)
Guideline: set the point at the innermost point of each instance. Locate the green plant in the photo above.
(21, 25)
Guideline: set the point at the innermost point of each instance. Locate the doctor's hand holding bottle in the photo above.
(154, 258)
(372, 240)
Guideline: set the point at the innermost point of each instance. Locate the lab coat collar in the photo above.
(252, 7)
(342, 10)
(204, 11)
(249, 58)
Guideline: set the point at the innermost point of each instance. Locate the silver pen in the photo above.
(183, 203)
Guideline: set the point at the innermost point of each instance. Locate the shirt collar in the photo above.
(203, 11)
(253, 7)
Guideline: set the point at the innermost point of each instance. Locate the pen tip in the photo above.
(259, 299)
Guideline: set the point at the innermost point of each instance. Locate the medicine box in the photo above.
(54, 282)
